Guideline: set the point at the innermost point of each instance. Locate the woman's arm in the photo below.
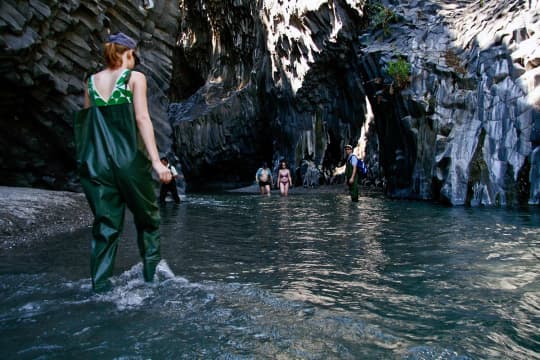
(138, 83)
(290, 177)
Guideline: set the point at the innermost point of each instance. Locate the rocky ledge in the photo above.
(28, 215)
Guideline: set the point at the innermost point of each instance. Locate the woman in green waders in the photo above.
(116, 150)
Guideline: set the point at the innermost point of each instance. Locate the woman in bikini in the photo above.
(284, 178)
(116, 151)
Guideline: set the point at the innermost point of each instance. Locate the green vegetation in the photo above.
(400, 70)
(380, 16)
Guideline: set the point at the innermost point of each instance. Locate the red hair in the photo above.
(113, 54)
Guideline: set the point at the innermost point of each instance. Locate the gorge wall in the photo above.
(236, 82)
(470, 108)
(47, 49)
(461, 127)
(277, 82)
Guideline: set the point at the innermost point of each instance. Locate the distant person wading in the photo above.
(284, 179)
(169, 187)
(116, 150)
(263, 177)
(351, 173)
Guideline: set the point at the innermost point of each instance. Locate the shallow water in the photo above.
(303, 277)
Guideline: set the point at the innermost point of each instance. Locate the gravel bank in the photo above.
(29, 215)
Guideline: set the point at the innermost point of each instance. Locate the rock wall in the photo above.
(220, 129)
(263, 81)
(47, 48)
(471, 107)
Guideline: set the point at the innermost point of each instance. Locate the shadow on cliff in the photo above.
(220, 132)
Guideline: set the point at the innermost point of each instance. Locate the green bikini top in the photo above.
(121, 93)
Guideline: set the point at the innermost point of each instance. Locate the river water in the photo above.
(310, 276)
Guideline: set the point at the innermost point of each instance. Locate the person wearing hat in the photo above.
(351, 175)
(116, 150)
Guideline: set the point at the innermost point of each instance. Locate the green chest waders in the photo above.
(115, 171)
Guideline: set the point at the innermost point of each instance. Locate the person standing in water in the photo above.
(284, 178)
(116, 150)
(171, 186)
(351, 175)
(263, 177)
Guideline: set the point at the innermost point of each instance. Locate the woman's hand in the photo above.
(161, 170)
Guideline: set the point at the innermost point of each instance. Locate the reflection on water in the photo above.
(303, 277)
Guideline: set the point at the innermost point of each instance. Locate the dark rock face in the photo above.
(219, 128)
(47, 50)
(277, 85)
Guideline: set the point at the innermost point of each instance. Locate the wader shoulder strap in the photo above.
(89, 85)
(128, 76)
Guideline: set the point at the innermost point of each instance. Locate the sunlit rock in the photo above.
(481, 62)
